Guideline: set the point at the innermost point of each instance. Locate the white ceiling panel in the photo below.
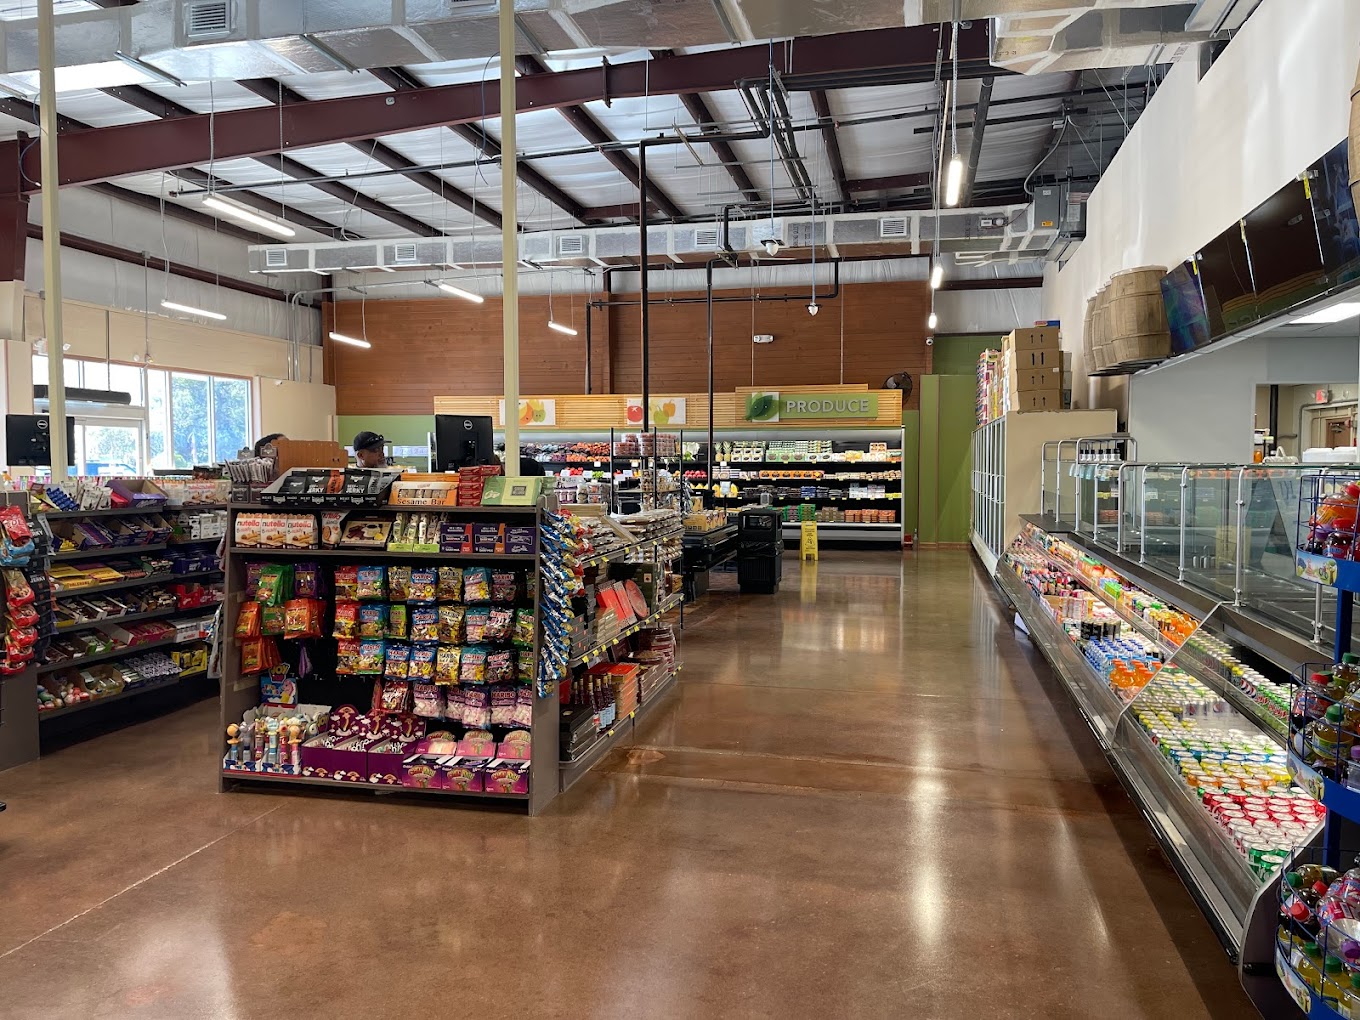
(456, 72)
(98, 109)
(1012, 150)
(208, 96)
(334, 84)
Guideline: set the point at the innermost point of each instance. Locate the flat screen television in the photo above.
(463, 440)
(27, 443)
(1286, 252)
(1185, 308)
(1337, 226)
(1226, 283)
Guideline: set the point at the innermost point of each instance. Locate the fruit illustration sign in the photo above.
(773, 407)
(664, 411)
(534, 411)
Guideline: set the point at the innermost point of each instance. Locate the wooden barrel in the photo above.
(1135, 318)
(1355, 139)
(1099, 336)
(1088, 350)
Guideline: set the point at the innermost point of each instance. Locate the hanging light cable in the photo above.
(953, 180)
(553, 324)
(342, 338)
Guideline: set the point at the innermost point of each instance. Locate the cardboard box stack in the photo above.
(1034, 369)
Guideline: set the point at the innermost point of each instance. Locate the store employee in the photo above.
(368, 450)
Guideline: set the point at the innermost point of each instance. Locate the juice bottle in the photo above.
(1350, 1000)
(1307, 964)
(1347, 671)
(1338, 509)
(1335, 981)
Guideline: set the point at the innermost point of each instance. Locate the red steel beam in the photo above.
(101, 154)
(589, 129)
(398, 80)
(833, 146)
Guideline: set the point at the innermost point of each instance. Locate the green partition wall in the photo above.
(948, 417)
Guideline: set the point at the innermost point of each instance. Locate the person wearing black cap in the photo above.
(368, 450)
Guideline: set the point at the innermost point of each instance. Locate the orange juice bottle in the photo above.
(1307, 964)
(1336, 984)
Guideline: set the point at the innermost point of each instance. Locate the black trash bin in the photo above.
(760, 551)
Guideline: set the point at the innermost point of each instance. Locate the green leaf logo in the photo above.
(762, 407)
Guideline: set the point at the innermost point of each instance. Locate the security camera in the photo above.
(771, 246)
(930, 341)
(813, 308)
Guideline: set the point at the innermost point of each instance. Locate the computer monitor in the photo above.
(27, 443)
(463, 440)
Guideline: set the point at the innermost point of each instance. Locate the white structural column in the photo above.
(509, 238)
(47, 102)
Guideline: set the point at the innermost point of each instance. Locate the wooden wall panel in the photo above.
(445, 347)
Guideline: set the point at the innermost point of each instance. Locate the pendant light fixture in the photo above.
(249, 216)
(175, 306)
(553, 324)
(813, 308)
(343, 338)
(953, 179)
(459, 292)
(937, 274)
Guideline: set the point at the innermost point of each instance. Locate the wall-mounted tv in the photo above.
(1286, 252)
(1185, 308)
(1226, 282)
(1334, 209)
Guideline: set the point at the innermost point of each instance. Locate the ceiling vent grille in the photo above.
(894, 226)
(276, 258)
(404, 253)
(207, 19)
(706, 239)
(571, 244)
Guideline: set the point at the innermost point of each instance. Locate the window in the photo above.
(175, 420)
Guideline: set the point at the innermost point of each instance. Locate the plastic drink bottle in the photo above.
(1349, 1006)
(1335, 981)
(1307, 964)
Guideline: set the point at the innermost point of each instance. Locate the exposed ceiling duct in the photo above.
(200, 40)
(1004, 233)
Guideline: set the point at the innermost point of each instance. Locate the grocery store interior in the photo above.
(840, 509)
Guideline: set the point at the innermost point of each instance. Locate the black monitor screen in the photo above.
(1226, 282)
(27, 443)
(1185, 308)
(1334, 207)
(462, 440)
(1286, 254)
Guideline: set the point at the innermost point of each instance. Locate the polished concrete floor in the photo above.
(868, 798)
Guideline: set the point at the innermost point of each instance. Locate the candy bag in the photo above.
(397, 660)
(346, 620)
(346, 582)
(472, 669)
(425, 624)
(273, 620)
(372, 583)
(476, 620)
(422, 662)
(248, 620)
(394, 697)
(399, 583)
(370, 657)
(424, 585)
(453, 704)
(524, 708)
(396, 622)
(373, 620)
(451, 619)
(347, 656)
(500, 667)
(523, 634)
(502, 706)
(504, 586)
(302, 618)
(476, 584)
(275, 580)
(450, 584)
(307, 581)
(427, 701)
(499, 623)
(476, 709)
(447, 661)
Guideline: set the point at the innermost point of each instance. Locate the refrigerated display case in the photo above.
(1190, 701)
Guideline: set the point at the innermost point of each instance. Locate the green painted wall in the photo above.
(911, 468)
(947, 419)
(400, 429)
(958, 355)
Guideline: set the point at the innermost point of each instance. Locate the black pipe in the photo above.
(1274, 423)
(587, 347)
(643, 268)
(830, 295)
(984, 104)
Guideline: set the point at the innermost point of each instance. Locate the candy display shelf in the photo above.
(233, 775)
(573, 770)
(146, 688)
(384, 555)
(109, 553)
(595, 654)
(79, 662)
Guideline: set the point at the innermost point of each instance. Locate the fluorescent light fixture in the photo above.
(340, 338)
(1336, 313)
(953, 181)
(175, 306)
(466, 295)
(150, 70)
(931, 322)
(240, 212)
(561, 328)
(937, 276)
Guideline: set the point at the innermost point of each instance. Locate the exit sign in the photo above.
(1322, 396)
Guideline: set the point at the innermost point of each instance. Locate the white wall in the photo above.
(1203, 408)
(1208, 151)
(117, 284)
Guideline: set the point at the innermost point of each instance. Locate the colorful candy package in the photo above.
(396, 662)
(372, 583)
(397, 622)
(347, 656)
(302, 618)
(424, 624)
(422, 662)
(450, 584)
(476, 709)
(308, 581)
(373, 620)
(371, 657)
(248, 620)
(395, 694)
(427, 701)
(475, 623)
(476, 584)
(447, 661)
(346, 620)
(523, 635)
(504, 586)
(273, 620)
(500, 667)
(398, 583)
(424, 585)
(499, 623)
(502, 706)
(524, 707)
(472, 669)
(451, 624)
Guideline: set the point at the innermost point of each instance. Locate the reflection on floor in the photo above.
(867, 798)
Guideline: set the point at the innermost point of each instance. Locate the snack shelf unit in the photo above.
(240, 692)
(159, 685)
(1240, 903)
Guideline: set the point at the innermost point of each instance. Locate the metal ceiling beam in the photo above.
(279, 93)
(100, 154)
(20, 109)
(698, 109)
(984, 104)
(399, 80)
(137, 258)
(833, 147)
(167, 111)
(589, 129)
